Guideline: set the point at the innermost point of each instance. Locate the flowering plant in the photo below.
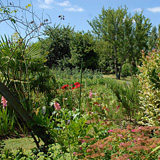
(76, 85)
(129, 143)
(4, 102)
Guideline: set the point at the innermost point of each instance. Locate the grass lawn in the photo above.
(113, 76)
(122, 80)
(26, 143)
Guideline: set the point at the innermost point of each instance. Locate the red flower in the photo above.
(76, 83)
(65, 86)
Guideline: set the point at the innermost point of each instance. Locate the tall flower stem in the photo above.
(80, 87)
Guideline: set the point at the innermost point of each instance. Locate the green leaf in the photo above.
(13, 20)
(158, 147)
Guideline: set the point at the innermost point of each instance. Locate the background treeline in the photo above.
(114, 45)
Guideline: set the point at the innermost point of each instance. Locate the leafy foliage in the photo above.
(82, 51)
(126, 70)
(149, 82)
(123, 35)
(57, 44)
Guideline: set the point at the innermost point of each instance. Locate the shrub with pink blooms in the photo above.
(122, 144)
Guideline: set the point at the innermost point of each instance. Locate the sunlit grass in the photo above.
(113, 76)
(25, 143)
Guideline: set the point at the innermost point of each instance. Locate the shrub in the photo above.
(121, 144)
(149, 83)
(126, 70)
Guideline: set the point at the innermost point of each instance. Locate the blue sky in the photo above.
(77, 12)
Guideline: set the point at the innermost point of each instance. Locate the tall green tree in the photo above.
(105, 62)
(141, 32)
(82, 50)
(126, 35)
(158, 30)
(114, 27)
(57, 44)
(152, 39)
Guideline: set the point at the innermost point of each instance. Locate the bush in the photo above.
(122, 144)
(126, 70)
(149, 82)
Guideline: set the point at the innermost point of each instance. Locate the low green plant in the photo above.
(126, 70)
(127, 96)
(7, 122)
(69, 126)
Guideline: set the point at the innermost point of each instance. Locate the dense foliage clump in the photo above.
(149, 82)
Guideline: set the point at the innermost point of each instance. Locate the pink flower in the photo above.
(83, 141)
(133, 130)
(90, 94)
(4, 102)
(118, 107)
(57, 106)
(110, 131)
(107, 109)
(121, 144)
(120, 135)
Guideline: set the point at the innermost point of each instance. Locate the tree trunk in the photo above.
(38, 130)
(116, 63)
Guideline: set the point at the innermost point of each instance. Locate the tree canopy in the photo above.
(125, 34)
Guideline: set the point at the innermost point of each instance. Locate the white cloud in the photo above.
(74, 9)
(154, 9)
(48, 2)
(44, 6)
(137, 9)
(64, 4)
